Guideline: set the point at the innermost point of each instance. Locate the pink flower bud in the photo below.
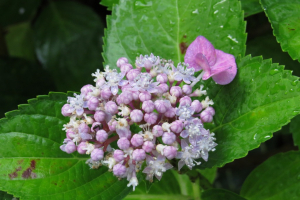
(124, 98)
(126, 67)
(93, 103)
(119, 170)
(148, 106)
(151, 118)
(112, 126)
(81, 148)
(86, 89)
(157, 131)
(148, 146)
(170, 113)
(136, 115)
(106, 93)
(118, 155)
(132, 74)
(162, 105)
(84, 128)
(196, 106)
(162, 78)
(70, 133)
(137, 140)
(97, 154)
(123, 143)
(111, 107)
(121, 61)
(138, 155)
(145, 96)
(65, 110)
(70, 147)
(148, 65)
(164, 87)
(186, 100)
(101, 136)
(206, 116)
(100, 82)
(176, 91)
(177, 126)
(186, 89)
(170, 152)
(211, 110)
(168, 138)
(99, 116)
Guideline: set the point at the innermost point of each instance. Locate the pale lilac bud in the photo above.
(148, 106)
(162, 78)
(81, 148)
(135, 95)
(170, 152)
(170, 113)
(136, 115)
(177, 126)
(145, 96)
(112, 126)
(97, 154)
(124, 98)
(106, 93)
(99, 116)
(119, 170)
(100, 83)
(161, 106)
(126, 67)
(186, 89)
(137, 140)
(138, 155)
(148, 146)
(70, 147)
(93, 103)
(196, 106)
(168, 137)
(148, 65)
(101, 136)
(206, 116)
(70, 133)
(176, 91)
(84, 128)
(65, 110)
(121, 61)
(164, 87)
(132, 74)
(86, 89)
(157, 131)
(211, 110)
(123, 143)
(151, 118)
(118, 155)
(111, 107)
(186, 100)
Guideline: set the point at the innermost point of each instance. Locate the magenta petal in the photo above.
(203, 46)
(224, 71)
(201, 60)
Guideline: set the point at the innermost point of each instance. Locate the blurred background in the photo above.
(48, 45)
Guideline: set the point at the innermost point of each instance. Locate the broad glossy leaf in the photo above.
(261, 99)
(16, 11)
(19, 41)
(209, 173)
(284, 17)
(295, 130)
(68, 43)
(167, 27)
(276, 179)
(34, 167)
(5, 196)
(251, 7)
(217, 194)
(109, 3)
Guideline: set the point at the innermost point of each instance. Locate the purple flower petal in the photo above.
(184, 134)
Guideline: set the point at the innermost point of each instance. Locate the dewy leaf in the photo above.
(251, 7)
(276, 179)
(260, 100)
(109, 3)
(166, 28)
(284, 17)
(217, 194)
(68, 42)
(295, 130)
(34, 167)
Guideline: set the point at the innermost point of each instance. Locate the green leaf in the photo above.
(284, 17)
(251, 7)
(16, 11)
(295, 130)
(109, 3)
(216, 194)
(277, 178)
(167, 27)
(209, 173)
(19, 41)
(68, 43)
(261, 99)
(34, 167)
(5, 196)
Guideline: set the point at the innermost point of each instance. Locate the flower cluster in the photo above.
(156, 98)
